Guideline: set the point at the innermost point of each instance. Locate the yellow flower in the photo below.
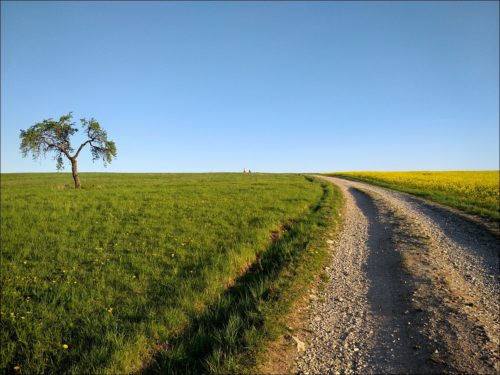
(109, 309)
(65, 346)
(17, 368)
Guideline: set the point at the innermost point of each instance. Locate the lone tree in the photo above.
(53, 136)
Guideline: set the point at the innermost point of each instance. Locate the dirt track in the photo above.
(413, 288)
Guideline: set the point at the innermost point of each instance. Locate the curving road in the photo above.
(413, 288)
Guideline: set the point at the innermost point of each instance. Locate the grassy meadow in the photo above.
(183, 273)
(474, 192)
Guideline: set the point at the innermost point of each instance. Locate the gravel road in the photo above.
(413, 288)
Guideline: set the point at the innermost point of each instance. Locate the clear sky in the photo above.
(276, 87)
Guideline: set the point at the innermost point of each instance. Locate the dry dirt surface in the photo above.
(413, 288)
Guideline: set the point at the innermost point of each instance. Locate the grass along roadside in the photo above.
(281, 354)
(473, 192)
(232, 334)
(98, 280)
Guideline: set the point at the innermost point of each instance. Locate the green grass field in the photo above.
(474, 192)
(154, 272)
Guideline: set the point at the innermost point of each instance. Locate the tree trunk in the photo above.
(74, 169)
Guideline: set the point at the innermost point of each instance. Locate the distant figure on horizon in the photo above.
(249, 171)
(244, 170)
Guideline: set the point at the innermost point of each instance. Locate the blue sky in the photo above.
(275, 87)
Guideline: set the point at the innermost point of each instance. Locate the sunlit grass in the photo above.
(98, 280)
(474, 192)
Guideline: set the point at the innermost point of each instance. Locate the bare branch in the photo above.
(80, 148)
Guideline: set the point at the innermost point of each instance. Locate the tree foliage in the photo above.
(54, 136)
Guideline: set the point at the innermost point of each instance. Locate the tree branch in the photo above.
(60, 148)
(80, 148)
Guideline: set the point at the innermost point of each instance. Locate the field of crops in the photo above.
(474, 192)
(137, 266)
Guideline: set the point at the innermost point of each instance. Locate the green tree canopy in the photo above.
(54, 136)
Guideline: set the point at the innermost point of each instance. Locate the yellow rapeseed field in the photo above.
(475, 192)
